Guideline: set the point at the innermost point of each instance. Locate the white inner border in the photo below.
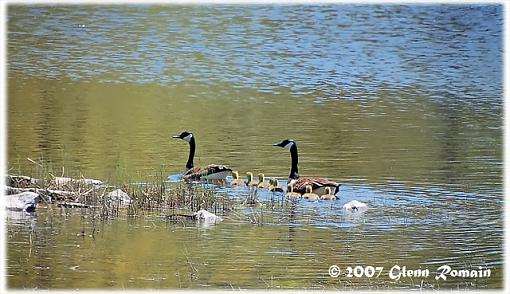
(3, 107)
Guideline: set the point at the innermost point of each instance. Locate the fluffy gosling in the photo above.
(250, 182)
(309, 195)
(328, 195)
(236, 181)
(262, 184)
(291, 194)
(273, 187)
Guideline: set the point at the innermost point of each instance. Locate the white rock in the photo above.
(26, 201)
(355, 206)
(119, 196)
(206, 217)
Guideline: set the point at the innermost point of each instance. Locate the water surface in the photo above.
(401, 104)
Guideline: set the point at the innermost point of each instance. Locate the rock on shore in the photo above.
(26, 201)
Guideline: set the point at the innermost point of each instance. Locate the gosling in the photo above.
(236, 180)
(309, 195)
(328, 195)
(291, 194)
(273, 187)
(261, 184)
(250, 182)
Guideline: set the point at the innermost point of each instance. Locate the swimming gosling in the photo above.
(261, 184)
(328, 195)
(273, 187)
(236, 181)
(309, 195)
(250, 182)
(291, 194)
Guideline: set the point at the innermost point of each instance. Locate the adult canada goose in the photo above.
(291, 194)
(328, 195)
(236, 181)
(262, 184)
(299, 184)
(210, 172)
(250, 182)
(309, 194)
(273, 187)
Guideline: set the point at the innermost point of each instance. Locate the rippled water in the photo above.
(401, 104)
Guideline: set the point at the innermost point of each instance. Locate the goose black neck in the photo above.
(294, 168)
(189, 164)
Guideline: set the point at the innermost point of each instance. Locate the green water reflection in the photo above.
(101, 130)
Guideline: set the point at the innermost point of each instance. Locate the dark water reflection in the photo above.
(402, 104)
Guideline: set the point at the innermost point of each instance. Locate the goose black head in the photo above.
(287, 143)
(186, 136)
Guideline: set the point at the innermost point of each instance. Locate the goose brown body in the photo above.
(318, 185)
(209, 172)
(299, 184)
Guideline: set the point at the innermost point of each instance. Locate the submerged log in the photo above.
(202, 217)
(21, 181)
(66, 181)
(61, 189)
(74, 205)
(180, 216)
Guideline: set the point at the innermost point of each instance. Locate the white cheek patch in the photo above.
(188, 138)
(288, 145)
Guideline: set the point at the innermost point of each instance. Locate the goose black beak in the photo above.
(176, 136)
